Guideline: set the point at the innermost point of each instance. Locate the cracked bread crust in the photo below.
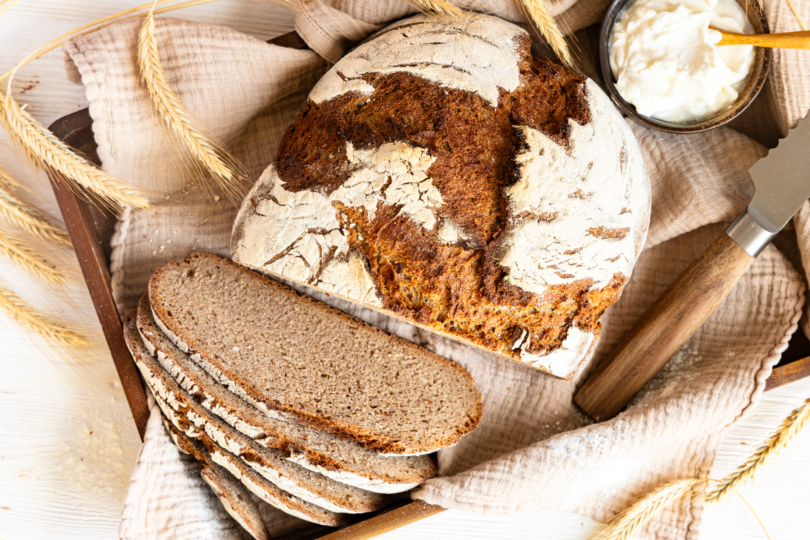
(507, 220)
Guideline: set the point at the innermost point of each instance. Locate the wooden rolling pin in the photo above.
(786, 40)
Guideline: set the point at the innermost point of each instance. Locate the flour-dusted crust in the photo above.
(475, 53)
(441, 175)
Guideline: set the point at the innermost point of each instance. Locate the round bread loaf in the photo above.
(442, 175)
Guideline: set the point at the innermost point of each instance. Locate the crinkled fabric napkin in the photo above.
(533, 449)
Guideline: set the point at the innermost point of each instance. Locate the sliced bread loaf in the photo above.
(179, 426)
(336, 458)
(292, 478)
(297, 359)
(233, 495)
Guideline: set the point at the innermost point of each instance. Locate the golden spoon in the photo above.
(787, 40)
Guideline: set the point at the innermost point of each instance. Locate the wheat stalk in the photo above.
(744, 473)
(29, 219)
(438, 7)
(537, 11)
(98, 25)
(8, 7)
(25, 216)
(175, 114)
(18, 310)
(42, 146)
(292, 4)
(625, 524)
(26, 259)
(796, 14)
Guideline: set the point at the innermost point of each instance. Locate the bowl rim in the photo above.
(756, 82)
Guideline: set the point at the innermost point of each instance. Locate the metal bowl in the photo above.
(756, 81)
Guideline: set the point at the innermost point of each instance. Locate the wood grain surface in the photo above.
(677, 314)
(67, 440)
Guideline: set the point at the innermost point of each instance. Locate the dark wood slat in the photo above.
(291, 41)
(75, 207)
(788, 373)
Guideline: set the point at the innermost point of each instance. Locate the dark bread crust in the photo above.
(274, 438)
(460, 289)
(372, 441)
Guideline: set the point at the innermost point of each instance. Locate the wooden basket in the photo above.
(90, 230)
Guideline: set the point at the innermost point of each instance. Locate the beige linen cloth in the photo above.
(534, 449)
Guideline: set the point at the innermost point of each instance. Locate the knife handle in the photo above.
(664, 328)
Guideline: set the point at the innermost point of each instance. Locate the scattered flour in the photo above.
(680, 368)
(99, 459)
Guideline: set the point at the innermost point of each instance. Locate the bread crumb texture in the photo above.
(440, 173)
(312, 364)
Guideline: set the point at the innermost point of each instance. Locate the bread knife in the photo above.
(782, 182)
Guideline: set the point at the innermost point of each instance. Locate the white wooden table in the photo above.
(67, 442)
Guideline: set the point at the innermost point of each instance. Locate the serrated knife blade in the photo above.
(782, 182)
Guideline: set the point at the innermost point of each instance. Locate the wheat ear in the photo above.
(26, 259)
(175, 114)
(537, 11)
(44, 148)
(439, 7)
(25, 216)
(625, 524)
(29, 219)
(18, 310)
(790, 427)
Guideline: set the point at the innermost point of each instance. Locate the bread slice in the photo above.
(336, 458)
(235, 498)
(233, 495)
(305, 484)
(253, 481)
(297, 359)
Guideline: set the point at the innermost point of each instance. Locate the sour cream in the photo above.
(666, 61)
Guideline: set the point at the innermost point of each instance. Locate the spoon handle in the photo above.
(787, 40)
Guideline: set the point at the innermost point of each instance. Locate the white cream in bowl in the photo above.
(666, 61)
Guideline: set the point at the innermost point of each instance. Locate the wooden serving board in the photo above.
(90, 230)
